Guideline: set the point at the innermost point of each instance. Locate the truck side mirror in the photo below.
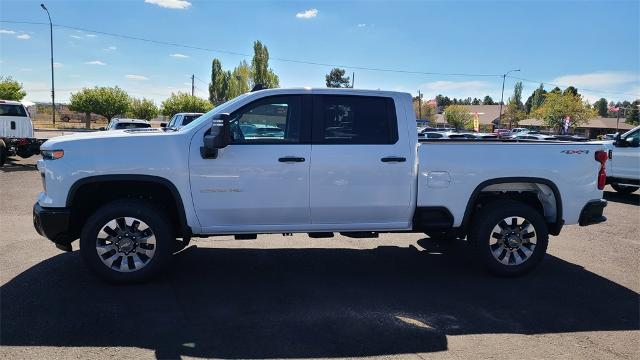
(218, 137)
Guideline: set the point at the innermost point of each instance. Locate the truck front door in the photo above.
(626, 159)
(261, 180)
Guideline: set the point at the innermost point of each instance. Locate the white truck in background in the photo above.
(16, 132)
(345, 161)
(623, 167)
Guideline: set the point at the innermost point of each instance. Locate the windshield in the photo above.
(120, 126)
(207, 116)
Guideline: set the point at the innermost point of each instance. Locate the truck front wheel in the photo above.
(127, 241)
(510, 238)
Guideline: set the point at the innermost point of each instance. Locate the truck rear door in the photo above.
(361, 163)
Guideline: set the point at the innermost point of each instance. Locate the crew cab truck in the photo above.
(346, 161)
(16, 132)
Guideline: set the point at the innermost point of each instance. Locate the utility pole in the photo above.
(353, 79)
(53, 91)
(193, 76)
(504, 76)
(419, 105)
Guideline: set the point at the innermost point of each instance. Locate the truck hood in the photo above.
(59, 142)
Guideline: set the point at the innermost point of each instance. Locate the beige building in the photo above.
(594, 128)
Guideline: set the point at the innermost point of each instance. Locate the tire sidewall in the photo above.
(154, 218)
(483, 227)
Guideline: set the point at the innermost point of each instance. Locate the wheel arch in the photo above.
(555, 225)
(115, 185)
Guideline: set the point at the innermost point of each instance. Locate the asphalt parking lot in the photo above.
(402, 295)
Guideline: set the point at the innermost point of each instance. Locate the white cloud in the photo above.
(5, 31)
(180, 56)
(170, 4)
(91, 35)
(307, 14)
(95, 62)
(75, 36)
(110, 48)
(136, 77)
(24, 37)
(598, 80)
(57, 65)
(362, 25)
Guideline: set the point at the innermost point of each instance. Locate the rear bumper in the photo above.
(592, 212)
(54, 224)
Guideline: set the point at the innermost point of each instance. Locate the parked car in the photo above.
(351, 163)
(16, 132)
(181, 119)
(501, 132)
(120, 124)
(623, 167)
(535, 136)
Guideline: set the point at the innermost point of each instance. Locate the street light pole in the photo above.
(504, 76)
(53, 91)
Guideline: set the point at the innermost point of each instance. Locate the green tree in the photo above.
(601, 107)
(336, 79)
(261, 73)
(535, 100)
(184, 102)
(517, 96)
(633, 113)
(11, 89)
(242, 73)
(458, 116)
(487, 100)
(513, 115)
(105, 101)
(475, 101)
(422, 108)
(557, 106)
(571, 90)
(143, 109)
(215, 86)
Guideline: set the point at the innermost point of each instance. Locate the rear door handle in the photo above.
(291, 159)
(393, 159)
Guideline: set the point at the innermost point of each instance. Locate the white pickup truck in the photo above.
(346, 161)
(624, 165)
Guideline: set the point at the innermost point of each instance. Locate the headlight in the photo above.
(52, 154)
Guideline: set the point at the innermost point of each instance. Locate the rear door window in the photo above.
(12, 110)
(350, 119)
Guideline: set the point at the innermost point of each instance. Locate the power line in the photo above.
(158, 42)
(202, 81)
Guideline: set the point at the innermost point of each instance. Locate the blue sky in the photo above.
(589, 44)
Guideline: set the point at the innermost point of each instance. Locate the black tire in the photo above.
(481, 236)
(151, 216)
(3, 155)
(624, 189)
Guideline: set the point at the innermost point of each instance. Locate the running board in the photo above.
(320, 235)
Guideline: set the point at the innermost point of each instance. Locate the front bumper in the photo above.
(592, 212)
(54, 224)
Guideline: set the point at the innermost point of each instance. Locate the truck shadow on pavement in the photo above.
(14, 166)
(629, 199)
(284, 303)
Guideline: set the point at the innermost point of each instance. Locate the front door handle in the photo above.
(291, 159)
(393, 159)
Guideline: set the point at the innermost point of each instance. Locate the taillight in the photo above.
(601, 157)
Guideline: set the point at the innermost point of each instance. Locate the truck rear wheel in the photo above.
(510, 238)
(3, 154)
(624, 189)
(127, 241)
